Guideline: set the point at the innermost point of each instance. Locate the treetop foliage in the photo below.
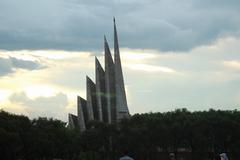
(149, 135)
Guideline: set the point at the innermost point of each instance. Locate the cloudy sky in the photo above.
(174, 54)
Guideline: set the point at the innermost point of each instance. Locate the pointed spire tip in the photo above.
(96, 59)
(105, 39)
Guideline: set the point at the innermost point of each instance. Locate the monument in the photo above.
(106, 98)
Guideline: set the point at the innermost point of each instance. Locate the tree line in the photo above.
(200, 134)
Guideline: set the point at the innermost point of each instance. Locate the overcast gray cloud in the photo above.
(10, 64)
(80, 24)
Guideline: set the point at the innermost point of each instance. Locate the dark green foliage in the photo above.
(146, 136)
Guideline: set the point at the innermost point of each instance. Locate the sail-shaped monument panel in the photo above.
(121, 100)
(110, 83)
(73, 121)
(101, 91)
(92, 100)
(82, 116)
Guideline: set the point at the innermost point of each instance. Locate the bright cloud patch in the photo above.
(151, 68)
(232, 64)
(41, 106)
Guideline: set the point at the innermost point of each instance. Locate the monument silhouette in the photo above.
(106, 99)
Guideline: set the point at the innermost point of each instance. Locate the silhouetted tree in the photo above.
(146, 136)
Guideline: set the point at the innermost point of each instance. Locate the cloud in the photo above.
(24, 64)
(232, 64)
(41, 106)
(151, 68)
(167, 25)
(209, 78)
(10, 64)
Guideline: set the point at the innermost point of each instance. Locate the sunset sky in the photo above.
(175, 54)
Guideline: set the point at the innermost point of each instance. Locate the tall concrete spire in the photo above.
(72, 121)
(81, 114)
(91, 100)
(121, 101)
(83, 104)
(100, 91)
(109, 83)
